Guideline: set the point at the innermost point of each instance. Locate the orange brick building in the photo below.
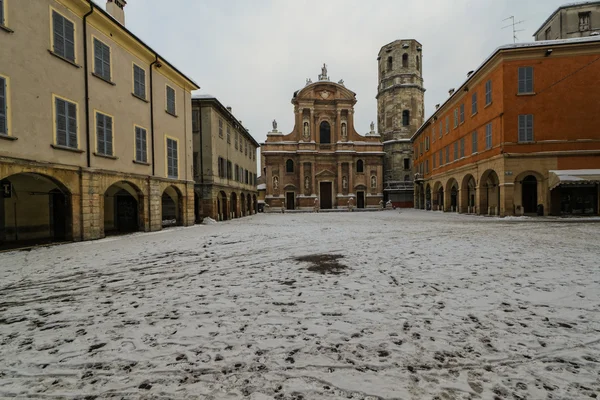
(522, 133)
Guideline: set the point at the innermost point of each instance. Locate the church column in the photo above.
(338, 127)
(313, 133)
(351, 183)
(339, 178)
(313, 172)
(302, 188)
(379, 179)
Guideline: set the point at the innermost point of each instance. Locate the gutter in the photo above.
(87, 86)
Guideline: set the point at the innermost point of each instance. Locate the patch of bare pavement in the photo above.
(369, 306)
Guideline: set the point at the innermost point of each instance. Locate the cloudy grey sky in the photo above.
(253, 54)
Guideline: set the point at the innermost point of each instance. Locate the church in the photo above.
(324, 161)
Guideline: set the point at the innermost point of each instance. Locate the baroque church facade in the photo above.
(324, 161)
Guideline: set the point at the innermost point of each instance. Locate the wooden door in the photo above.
(326, 200)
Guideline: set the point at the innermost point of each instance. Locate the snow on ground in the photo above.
(430, 306)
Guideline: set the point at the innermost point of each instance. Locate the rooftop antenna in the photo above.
(514, 27)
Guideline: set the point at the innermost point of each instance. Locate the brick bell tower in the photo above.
(400, 112)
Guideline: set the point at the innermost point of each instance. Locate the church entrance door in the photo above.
(289, 200)
(360, 199)
(326, 196)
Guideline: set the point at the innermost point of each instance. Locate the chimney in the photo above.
(437, 106)
(451, 92)
(470, 73)
(229, 108)
(116, 8)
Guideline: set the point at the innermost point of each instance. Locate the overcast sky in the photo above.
(253, 54)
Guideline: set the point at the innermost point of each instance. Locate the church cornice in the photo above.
(400, 86)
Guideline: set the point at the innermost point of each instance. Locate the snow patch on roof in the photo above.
(202, 96)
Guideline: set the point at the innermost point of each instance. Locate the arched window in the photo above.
(405, 60)
(405, 118)
(360, 166)
(289, 166)
(325, 133)
(418, 64)
(390, 63)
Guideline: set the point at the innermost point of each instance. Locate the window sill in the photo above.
(172, 177)
(175, 115)
(104, 79)
(140, 98)
(7, 137)
(474, 114)
(6, 28)
(526, 142)
(141, 163)
(106, 156)
(527, 94)
(59, 147)
(64, 59)
(487, 105)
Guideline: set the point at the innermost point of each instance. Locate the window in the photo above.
(405, 118)
(1, 12)
(455, 118)
(462, 148)
(325, 133)
(488, 136)
(104, 134)
(426, 166)
(418, 64)
(474, 104)
(360, 166)
(196, 121)
(447, 124)
(441, 158)
(245, 148)
(488, 92)
(141, 149)
(441, 129)
(221, 128)
(228, 134)
(462, 113)
(525, 128)
(407, 163)
(584, 21)
(195, 169)
(525, 80)
(3, 106)
(66, 123)
(447, 154)
(390, 64)
(63, 37)
(220, 167)
(139, 82)
(433, 158)
(171, 109)
(101, 60)
(549, 33)
(455, 151)
(427, 143)
(474, 142)
(289, 166)
(404, 60)
(236, 140)
(229, 170)
(247, 177)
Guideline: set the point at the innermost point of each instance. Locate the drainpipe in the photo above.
(152, 111)
(87, 86)
(201, 146)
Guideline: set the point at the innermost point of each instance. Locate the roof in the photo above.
(208, 98)
(107, 14)
(541, 43)
(573, 177)
(564, 6)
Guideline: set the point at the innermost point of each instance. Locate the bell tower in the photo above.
(400, 112)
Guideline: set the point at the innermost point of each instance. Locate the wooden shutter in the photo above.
(170, 100)
(138, 144)
(105, 61)
(72, 125)
(61, 122)
(108, 136)
(144, 146)
(58, 23)
(3, 119)
(1, 12)
(69, 36)
(97, 57)
(100, 133)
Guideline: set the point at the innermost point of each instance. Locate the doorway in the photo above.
(290, 200)
(326, 196)
(529, 189)
(58, 212)
(126, 212)
(360, 199)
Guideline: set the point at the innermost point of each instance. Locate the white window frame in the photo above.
(474, 142)
(488, 136)
(488, 92)
(474, 107)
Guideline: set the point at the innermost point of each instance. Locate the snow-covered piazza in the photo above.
(378, 305)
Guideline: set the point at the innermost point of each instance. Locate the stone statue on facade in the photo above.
(344, 182)
(308, 81)
(274, 125)
(275, 183)
(373, 181)
(341, 82)
(372, 126)
(323, 76)
(344, 130)
(306, 133)
(306, 182)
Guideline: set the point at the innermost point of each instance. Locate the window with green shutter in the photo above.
(171, 100)
(3, 113)
(66, 123)
(172, 164)
(104, 134)
(141, 149)
(101, 60)
(63, 37)
(139, 82)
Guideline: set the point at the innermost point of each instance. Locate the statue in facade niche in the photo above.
(275, 182)
(373, 181)
(306, 133)
(306, 182)
(344, 182)
(274, 125)
(344, 131)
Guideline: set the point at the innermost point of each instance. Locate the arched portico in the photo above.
(123, 208)
(451, 199)
(222, 207)
(233, 211)
(428, 202)
(254, 204)
(249, 204)
(243, 205)
(467, 195)
(438, 196)
(489, 193)
(528, 192)
(172, 207)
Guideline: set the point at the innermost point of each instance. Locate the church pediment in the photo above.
(325, 173)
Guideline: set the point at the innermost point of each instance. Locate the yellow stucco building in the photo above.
(95, 126)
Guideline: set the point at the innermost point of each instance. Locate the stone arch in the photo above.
(528, 192)
(390, 63)
(360, 166)
(468, 195)
(172, 206)
(452, 190)
(325, 133)
(438, 196)
(222, 206)
(35, 208)
(254, 203)
(289, 166)
(123, 208)
(405, 60)
(489, 193)
(242, 205)
(418, 63)
(428, 201)
(249, 204)
(233, 206)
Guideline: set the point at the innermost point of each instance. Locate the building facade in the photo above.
(401, 111)
(520, 135)
(323, 159)
(95, 126)
(572, 20)
(224, 162)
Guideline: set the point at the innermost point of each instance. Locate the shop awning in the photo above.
(573, 177)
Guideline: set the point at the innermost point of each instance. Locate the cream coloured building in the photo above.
(95, 126)
(224, 162)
